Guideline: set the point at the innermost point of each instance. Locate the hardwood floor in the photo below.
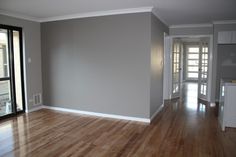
(179, 130)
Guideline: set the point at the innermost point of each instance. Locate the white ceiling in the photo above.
(173, 12)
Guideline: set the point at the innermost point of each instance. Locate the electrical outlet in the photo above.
(37, 99)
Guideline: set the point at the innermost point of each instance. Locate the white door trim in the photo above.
(210, 68)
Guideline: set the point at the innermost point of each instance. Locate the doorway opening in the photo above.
(11, 71)
(190, 68)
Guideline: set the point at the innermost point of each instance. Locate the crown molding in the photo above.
(155, 12)
(112, 12)
(192, 25)
(224, 22)
(79, 15)
(98, 13)
(19, 16)
(204, 25)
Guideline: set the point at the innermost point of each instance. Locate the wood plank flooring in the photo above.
(179, 130)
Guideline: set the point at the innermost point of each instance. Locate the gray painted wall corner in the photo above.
(157, 62)
(31, 49)
(98, 64)
(216, 67)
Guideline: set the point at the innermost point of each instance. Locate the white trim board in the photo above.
(157, 111)
(145, 120)
(155, 12)
(96, 114)
(18, 15)
(189, 36)
(98, 13)
(80, 15)
(34, 109)
(111, 12)
(192, 25)
(203, 24)
(224, 22)
(149, 9)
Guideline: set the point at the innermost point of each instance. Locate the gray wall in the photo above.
(32, 49)
(191, 31)
(218, 51)
(98, 64)
(226, 64)
(157, 59)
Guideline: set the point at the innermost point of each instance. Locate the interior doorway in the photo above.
(190, 60)
(190, 64)
(11, 71)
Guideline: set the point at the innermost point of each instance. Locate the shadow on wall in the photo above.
(226, 66)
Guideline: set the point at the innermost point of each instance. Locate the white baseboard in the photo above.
(157, 111)
(145, 120)
(36, 108)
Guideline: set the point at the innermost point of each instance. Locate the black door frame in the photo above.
(11, 76)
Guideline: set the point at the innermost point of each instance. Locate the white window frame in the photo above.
(187, 46)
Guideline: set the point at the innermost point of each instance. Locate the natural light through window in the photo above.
(192, 62)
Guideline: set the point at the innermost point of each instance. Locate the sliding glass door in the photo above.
(11, 71)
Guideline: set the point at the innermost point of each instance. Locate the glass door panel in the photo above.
(192, 67)
(5, 85)
(5, 98)
(4, 59)
(203, 71)
(176, 68)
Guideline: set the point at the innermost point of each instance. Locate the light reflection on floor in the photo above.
(201, 107)
(14, 132)
(190, 92)
(190, 98)
(6, 133)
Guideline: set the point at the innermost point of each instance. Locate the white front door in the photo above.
(203, 70)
